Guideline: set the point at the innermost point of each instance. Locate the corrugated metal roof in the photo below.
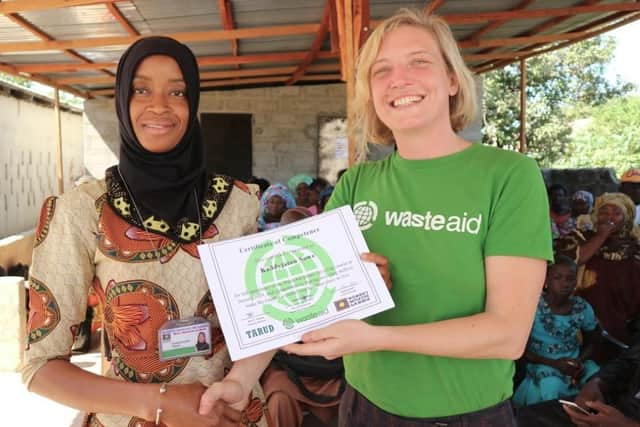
(98, 32)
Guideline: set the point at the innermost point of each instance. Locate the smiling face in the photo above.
(410, 82)
(158, 109)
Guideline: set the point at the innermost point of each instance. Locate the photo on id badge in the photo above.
(184, 338)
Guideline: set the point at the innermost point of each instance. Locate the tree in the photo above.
(609, 136)
(557, 83)
(18, 81)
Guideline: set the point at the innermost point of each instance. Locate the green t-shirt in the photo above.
(436, 220)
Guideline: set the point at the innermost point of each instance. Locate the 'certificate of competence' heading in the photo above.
(270, 288)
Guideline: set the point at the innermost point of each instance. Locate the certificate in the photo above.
(272, 287)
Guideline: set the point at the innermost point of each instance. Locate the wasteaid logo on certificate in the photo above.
(289, 271)
(270, 288)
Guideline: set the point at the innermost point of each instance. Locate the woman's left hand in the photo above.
(336, 340)
(382, 262)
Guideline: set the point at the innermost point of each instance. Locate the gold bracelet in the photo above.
(163, 390)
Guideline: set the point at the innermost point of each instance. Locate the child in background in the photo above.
(557, 362)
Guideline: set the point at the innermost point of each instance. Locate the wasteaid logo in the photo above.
(366, 213)
(288, 279)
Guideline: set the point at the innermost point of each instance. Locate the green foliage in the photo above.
(65, 97)
(18, 81)
(609, 136)
(559, 84)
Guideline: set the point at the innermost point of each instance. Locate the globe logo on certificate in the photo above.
(289, 277)
(365, 213)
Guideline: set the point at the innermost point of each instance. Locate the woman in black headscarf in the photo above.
(131, 239)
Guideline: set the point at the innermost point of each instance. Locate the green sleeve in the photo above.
(519, 224)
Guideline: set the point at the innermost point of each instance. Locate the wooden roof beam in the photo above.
(433, 6)
(517, 55)
(496, 24)
(361, 22)
(32, 5)
(602, 22)
(203, 61)
(241, 82)
(241, 33)
(226, 16)
(547, 24)
(43, 80)
(539, 13)
(539, 38)
(115, 12)
(315, 46)
(474, 18)
(44, 36)
(333, 27)
(212, 75)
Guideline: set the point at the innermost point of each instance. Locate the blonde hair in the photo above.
(365, 125)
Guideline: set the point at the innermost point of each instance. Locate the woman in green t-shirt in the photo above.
(466, 232)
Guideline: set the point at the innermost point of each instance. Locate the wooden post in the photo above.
(56, 107)
(523, 105)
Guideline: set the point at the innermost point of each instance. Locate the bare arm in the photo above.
(501, 331)
(589, 248)
(72, 386)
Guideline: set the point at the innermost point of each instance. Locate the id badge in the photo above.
(184, 338)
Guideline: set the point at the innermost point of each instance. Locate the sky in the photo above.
(627, 61)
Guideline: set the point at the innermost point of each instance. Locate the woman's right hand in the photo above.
(605, 228)
(180, 406)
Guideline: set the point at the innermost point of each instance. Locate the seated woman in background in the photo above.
(562, 223)
(581, 204)
(557, 363)
(274, 201)
(609, 273)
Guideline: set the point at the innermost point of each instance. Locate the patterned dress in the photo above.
(555, 336)
(91, 239)
(610, 282)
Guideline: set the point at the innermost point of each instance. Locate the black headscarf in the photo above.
(162, 183)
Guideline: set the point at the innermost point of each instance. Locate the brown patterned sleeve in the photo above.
(569, 245)
(60, 276)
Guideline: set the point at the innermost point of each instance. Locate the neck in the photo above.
(555, 300)
(429, 143)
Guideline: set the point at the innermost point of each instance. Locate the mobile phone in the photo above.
(576, 406)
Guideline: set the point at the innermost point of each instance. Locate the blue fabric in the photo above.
(555, 336)
(295, 180)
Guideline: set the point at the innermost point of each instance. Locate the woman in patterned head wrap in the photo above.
(274, 201)
(609, 260)
(132, 239)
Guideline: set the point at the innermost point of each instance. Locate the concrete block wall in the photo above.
(28, 159)
(13, 318)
